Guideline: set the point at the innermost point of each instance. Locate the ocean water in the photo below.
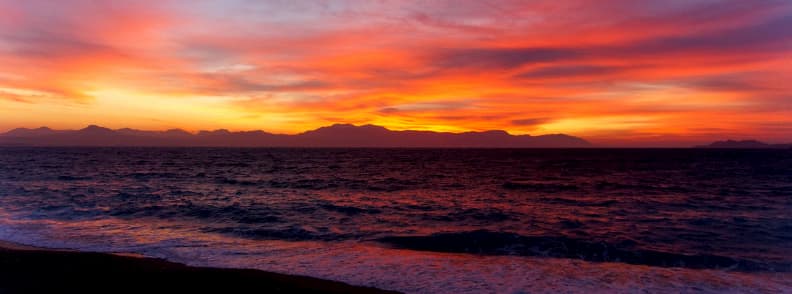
(423, 220)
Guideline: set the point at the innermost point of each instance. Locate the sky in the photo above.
(616, 72)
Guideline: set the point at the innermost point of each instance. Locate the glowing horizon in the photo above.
(614, 72)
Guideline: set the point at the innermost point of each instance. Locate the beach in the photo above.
(26, 269)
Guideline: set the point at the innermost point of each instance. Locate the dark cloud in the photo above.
(773, 35)
(783, 127)
(389, 110)
(297, 86)
(500, 58)
(530, 121)
(14, 97)
(570, 71)
(426, 106)
(767, 37)
(468, 117)
(728, 83)
(708, 129)
(223, 83)
(44, 45)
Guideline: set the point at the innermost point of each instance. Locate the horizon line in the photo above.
(592, 143)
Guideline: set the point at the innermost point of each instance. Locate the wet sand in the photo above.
(25, 269)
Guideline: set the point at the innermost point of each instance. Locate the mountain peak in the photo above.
(346, 128)
(214, 132)
(496, 132)
(743, 144)
(29, 132)
(351, 126)
(95, 128)
(176, 132)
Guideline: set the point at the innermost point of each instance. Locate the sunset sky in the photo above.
(616, 72)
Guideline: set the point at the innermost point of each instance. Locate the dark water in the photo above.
(698, 209)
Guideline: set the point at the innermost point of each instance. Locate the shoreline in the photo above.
(29, 269)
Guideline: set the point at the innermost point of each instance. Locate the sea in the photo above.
(423, 220)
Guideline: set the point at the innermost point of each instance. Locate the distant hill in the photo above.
(338, 135)
(744, 144)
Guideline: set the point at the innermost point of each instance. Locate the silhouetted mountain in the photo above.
(744, 144)
(338, 135)
(97, 129)
(23, 132)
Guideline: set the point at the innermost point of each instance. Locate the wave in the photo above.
(539, 186)
(502, 243)
(350, 210)
(487, 215)
(286, 233)
(378, 185)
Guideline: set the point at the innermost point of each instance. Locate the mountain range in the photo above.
(744, 144)
(337, 135)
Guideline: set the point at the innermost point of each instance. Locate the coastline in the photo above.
(28, 269)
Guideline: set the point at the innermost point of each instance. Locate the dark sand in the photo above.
(25, 269)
